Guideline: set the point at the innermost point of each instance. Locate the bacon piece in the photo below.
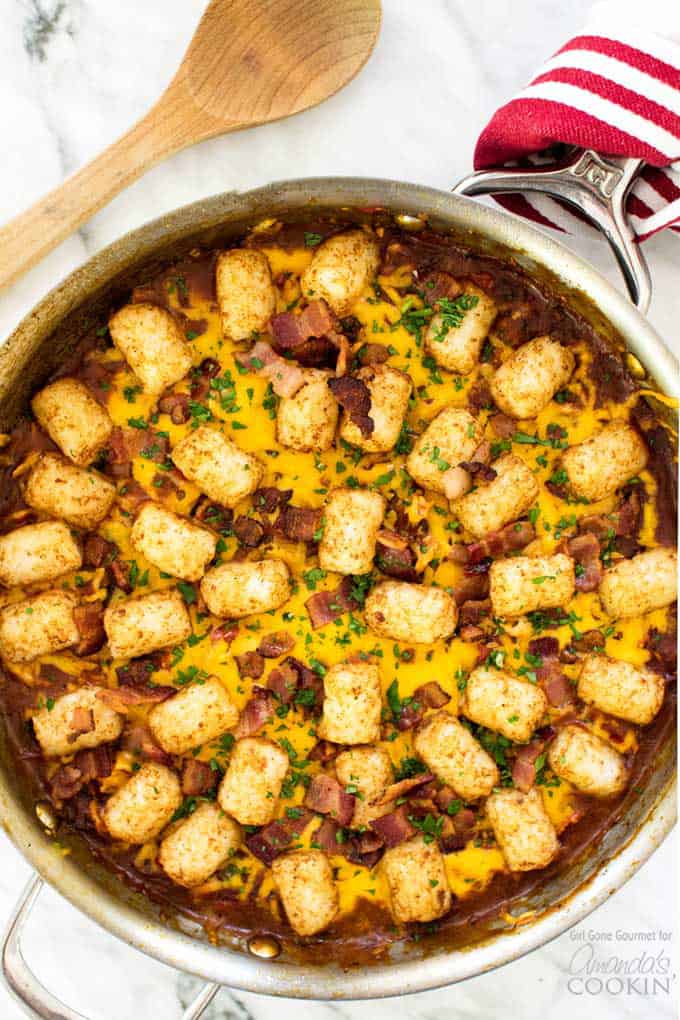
(197, 777)
(285, 377)
(504, 426)
(524, 767)
(132, 495)
(87, 765)
(97, 376)
(457, 830)
(291, 331)
(326, 795)
(248, 531)
(96, 551)
(213, 514)
(258, 711)
(546, 647)
(354, 397)
(283, 682)
(479, 397)
(395, 557)
(299, 524)
(458, 553)
(273, 839)
(177, 406)
(475, 567)
(120, 572)
(456, 481)
(431, 695)
(224, 632)
(470, 633)
(585, 549)
(499, 543)
(324, 752)
(558, 690)
(269, 498)
(477, 469)
(326, 606)
(89, 619)
(663, 646)
(473, 586)
(308, 681)
(138, 740)
(438, 285)
(402, 788)
(121, 699)
(373, 354)
(136, 672)
(326, 837)
(82, 721)
(394, 827)
(273, 646)
(250, 664)
(473, 611)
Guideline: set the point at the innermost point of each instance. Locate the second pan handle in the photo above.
(595, 185)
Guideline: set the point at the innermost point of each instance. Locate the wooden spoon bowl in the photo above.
(249, 62)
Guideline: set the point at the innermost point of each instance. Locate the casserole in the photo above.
(103, 282)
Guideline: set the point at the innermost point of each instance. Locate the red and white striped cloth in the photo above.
(614, 89)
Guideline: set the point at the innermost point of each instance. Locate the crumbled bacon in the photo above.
(273, 839)
(395, 557)
(456, 830)
(354, 397)
(121, 699)
(546, 647)
(269, 498)
(138, 740)
(224, 632)
(326, 606)
(524, 766)
(214, 515)
(286, 378)
(250, 664)
(477, 469)
(120, 572)
(558, 690)
(283, 682)
(403, 787)
(258, 711)
(373, 354)
(92, 763)
(273, 646)
(298, 524)
(96, 551)
(326, 795)
(585, 549)
(290, 331)
(82, 721)
(248, 531)
(499, 543)
(438, 284)
(473, 611)
(197, 777)
(324, 752)
(473, 586)
(177, 406)
(479, 397)
(503, 426)
(132, 495)
(431, 695)
(89, 619)
(394, 827)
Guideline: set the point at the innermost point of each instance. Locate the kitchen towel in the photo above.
(615, 89)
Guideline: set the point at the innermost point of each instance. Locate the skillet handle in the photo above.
(595, 185)
(28, 990)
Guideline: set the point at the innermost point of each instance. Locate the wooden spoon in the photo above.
(249, 62)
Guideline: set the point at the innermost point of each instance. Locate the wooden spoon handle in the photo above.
(31, 235)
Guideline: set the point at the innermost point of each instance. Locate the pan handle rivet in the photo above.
(266, 947)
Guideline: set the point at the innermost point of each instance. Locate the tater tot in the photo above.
(646, 582)
(307, 420)
(522, 828)
(38, 625)
(490, 507)
(530, 378)
(503, 703)
(366, 772)
(172, 543)
(621, 689)
(141, 625)
(456, 345)
(199, 845)
(414, 613)
(76, 721)
(73, 419)
(250, 789)
(140, 809)
(451, 437)
(200, 713)
(587, 762)
(217, 465)
(351, 520)
(234, 590)
(305, 883)
(452, 753)
(352, 704)
(80, 496)
(152, 343)
(602, 464)
(245, 292)
(416, 879)
(523, 584)
(36, 553)
(390, 390)
(341, 268)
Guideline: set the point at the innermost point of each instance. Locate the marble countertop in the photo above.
(74, 74)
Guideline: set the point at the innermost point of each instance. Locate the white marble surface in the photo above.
(74, 74)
